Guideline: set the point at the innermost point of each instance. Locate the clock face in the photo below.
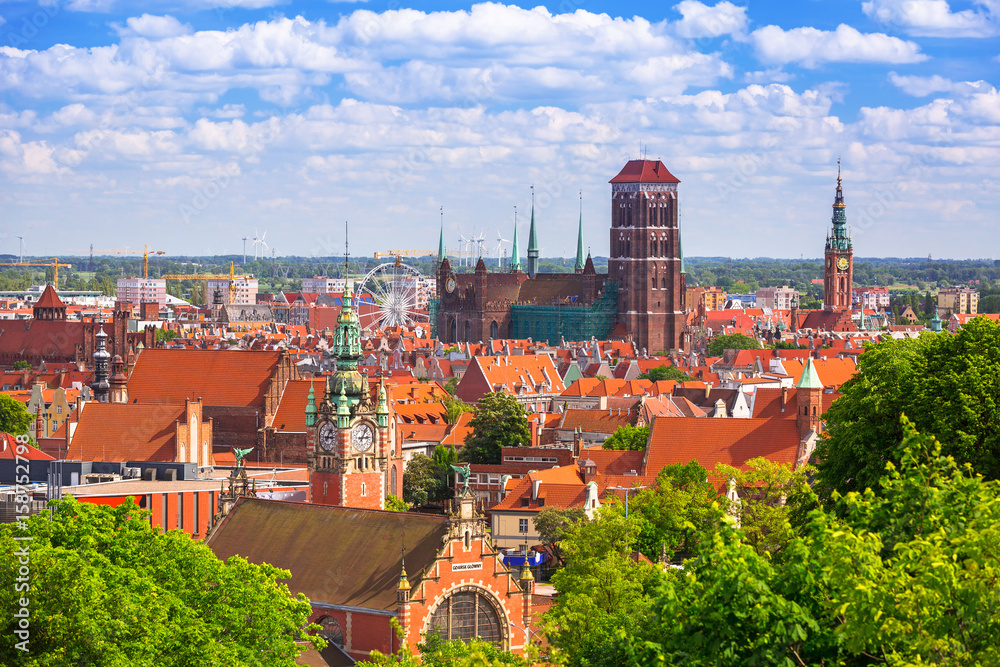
(842, 263)
(361, 437)
(327, 437)
(450, 285)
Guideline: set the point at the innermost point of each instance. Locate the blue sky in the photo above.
(188, 124)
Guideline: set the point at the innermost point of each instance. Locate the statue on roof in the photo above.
(465, 472)
(240, 454)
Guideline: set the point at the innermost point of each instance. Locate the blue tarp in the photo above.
(535, 559)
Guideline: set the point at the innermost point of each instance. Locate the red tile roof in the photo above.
(219, 377)
(767, 403)
(49, 299)
(597, 421)
(8, 450)
(644, 171)
(126, 432)
(712, 441)
(291, 413)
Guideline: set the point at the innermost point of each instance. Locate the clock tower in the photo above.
(347, 437)
(838, 271)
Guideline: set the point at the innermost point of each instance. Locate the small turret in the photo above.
(311, 406)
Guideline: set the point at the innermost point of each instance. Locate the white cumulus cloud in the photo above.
(811, 47)
(935, 18)
(700, 20)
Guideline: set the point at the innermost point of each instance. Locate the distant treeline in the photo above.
(736, 275)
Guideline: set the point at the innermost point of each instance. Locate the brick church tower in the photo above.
(646, 259)
(347, 436)
(838, 272)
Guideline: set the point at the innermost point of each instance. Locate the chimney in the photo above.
(720, 408)
(784, 398)
(535, 485)
(708, 389)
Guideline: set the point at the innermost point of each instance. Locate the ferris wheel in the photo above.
(391, 295)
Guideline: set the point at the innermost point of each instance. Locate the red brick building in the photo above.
(362, 568)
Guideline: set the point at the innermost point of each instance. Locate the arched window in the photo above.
(454, 331)
(468, 332)
(664, 282)
(392, 479)
(494, 330)
(468, 613)
(331, 631)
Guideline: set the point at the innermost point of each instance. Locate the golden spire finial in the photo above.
(838, 170)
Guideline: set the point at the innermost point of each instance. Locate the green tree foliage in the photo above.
(163, 335)
(903, 577)
(554, 524)
(394, 503)
(949, 385)
(455, 408)
(771, 498)
(107, 589)
(22, 365)
(500, 421)
(602, 590)
(14, 416)
(734, 341)
(664, 372)
(628, 438)
(437, 652)
(423, 481)
(677, 514)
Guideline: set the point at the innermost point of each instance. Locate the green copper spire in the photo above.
(347, 350)
(515, 253)
(532, 240)
(680, 251)
(311, 406)
(578, 267)
(810, 378)
(839, 239)
(441, 239)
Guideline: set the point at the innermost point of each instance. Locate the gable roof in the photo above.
(291, 413)
(712, 441)
(337, 555)
(644, 171)
(235, 378)
(126, 432)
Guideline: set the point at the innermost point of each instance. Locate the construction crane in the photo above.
(404, 253)
(232, 277)
(146, 252)
(54, 264)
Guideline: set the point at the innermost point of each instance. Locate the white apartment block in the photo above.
(246, 290)
(323, 285)
(777, 298)
(142, 290)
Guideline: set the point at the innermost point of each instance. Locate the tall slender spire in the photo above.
(680, 251)
(515, 253)
(441, 239)
(839, 239)
(580, 259)
(532, 240)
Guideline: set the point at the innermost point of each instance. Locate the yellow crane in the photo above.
(146, 252)
(54, 264)
(404, 253)
(231, 277)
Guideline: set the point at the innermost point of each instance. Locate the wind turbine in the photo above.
(480, 242)
(465, 243)
(20, 239)
(500, 241)
(244, 249)
(259, 245)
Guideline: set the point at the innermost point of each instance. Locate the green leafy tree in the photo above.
(105, 588)
(14, 416)
(553, 524)
(423, 481)
(733, 341)
(163, 335)
(22, 365)
(628, 438)
(772, 499)
(678, 514)
(500, 421)
(455, 408)
(437, 652)
(661, 373)
(602, 590)
(394, 503)
(949, 385)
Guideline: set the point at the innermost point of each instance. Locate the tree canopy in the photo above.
(948, 385)
(733, 341)
(105, 588)
(665, 372)
(500, 421)
(14, 417)
(628, 438)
